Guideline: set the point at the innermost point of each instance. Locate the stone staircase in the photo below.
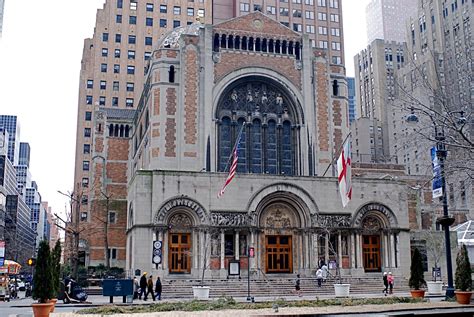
(271, 287)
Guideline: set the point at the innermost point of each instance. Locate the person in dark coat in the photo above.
(150, 288)
(385, 283)
(142, 286)
(158, 288)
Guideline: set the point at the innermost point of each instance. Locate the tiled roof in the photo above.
(119, 114)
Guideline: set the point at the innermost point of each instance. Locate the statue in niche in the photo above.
(249, 96)
(279, 102)
(215, 245)
(264, 97)
(233, 96)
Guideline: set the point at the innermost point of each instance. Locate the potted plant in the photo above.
(56, 271)
(463, 279)
(435, 250)
(43, 281)
(416, 281)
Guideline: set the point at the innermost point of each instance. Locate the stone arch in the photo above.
(294, 196)
(375, 212)
(181, 205)
(277, 79)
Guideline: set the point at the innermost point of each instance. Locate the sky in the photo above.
(40, 61)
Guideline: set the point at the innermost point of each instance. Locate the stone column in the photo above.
(394, 250)
(326, 248)
(306, 251)
(352, 246)
(160, 238)
(339, 249)
(358, 250)
(222, 249)
(166, 249)
(386, 261)
(237, 246)
(314, 251)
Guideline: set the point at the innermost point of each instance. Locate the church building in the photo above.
(254, 86)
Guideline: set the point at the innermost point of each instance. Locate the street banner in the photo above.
(436, 183)
(2, 249)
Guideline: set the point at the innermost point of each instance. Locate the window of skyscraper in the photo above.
(163, 8)
(271, 10)
(130, 69)
(190, 12)
(85, 182)
(163, 23)
(105, 52)
(102, 100)
(103, 84)
(284, 11)
(105, 37)
(117, 53)
(334, 3)
(118, 18)
(129, 102)
(132, 19)
(133, 5)
(321, 3)
(147, 55)
(148, 40)
(201, 13)
(87, 132)
(116, 86)
(131, 54)
(89, 100)
(120, 4)
(149, 21)
(114, 101)
(297, 13)
(116, 68)
(244, 7)
(90, 83)
(309, 2)
(130, 86)
(85, 165)
(88, 116)
(149, 7)
(257, 7)
(132, 39)
(86, 149)
(118, 38)
(176, 23)
(176, 10)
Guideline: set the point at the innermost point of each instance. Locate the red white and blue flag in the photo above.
(344, 173)
(233, 166)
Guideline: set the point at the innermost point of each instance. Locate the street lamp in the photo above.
(446, 220)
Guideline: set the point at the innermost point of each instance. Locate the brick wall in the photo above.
(191, 96)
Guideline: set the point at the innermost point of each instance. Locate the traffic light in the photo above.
(31, 261)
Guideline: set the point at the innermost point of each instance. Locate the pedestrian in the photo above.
(136, 287)
(158, 288)
(319, 276)
(142, 286)
(385, 283)
(298, 285)
(325, 270)
(390, 280)
(150, 288)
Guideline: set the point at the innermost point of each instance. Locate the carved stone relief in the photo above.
(278, 216)
(371, 223)
(331, 221)
(229, 219)
(180, 221)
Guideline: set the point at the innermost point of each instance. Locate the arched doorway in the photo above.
(371, 244)
(179, 244)
(278, 221)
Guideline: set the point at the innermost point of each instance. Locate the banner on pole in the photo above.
(437, 182)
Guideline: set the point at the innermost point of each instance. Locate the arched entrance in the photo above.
(278, 221)
(179, 244)
(371, 246)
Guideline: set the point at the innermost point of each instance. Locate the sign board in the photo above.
(157, 255)
(234, 268)
(251, 252)
(122, 287)
(332, 265)
(436, 272)
(437, 181)
(2, 249)
(2, 261)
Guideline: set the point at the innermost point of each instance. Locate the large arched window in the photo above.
(264, 115)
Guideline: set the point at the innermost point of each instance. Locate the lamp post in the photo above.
(446, 220)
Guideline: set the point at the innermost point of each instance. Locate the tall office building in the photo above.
(24, 155)
(352, 98)
(385, 19)
(2, 5)
(376, 70)
(12, 125)
(114, 63)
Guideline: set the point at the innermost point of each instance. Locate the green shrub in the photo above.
(56, 267)
(43, 278)
(463, 277)
(416, 280)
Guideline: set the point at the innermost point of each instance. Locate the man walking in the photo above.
(319, 276)
(385, 283)
(150, 288)
(142, 287)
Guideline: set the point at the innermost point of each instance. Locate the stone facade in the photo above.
(251, 82)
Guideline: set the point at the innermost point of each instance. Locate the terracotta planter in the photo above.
(463, 297)
(54, 301)
(417, 293)
(41, 309)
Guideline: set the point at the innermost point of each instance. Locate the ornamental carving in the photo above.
(386, 216)
(229, 219)
(180, 221)
(371, 223)
(278, 217)
(183, 202)
(331, 221)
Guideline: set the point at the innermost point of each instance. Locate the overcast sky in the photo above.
(40, 60)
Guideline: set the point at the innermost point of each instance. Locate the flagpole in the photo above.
(334, 156)
(235, 145)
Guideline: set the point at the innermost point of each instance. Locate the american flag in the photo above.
(233, 166)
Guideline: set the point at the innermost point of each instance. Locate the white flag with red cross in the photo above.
(344, 173)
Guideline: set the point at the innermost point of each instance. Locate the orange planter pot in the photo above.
(463, 297)
(54, 301)
(417, 293)
(41, 309)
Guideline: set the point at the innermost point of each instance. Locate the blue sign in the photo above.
(437, 185)
(2, 261)
(117, 287)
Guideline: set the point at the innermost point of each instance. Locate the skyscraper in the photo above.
(386, 19)
(24, 156)
(352, 98)
(114, 63)
(11, 124)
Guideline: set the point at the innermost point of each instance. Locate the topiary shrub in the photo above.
(43, 278)
(416, 280)
(56, 267)
(463, 277)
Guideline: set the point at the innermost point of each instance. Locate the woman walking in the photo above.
(390, 279)
(158, 288)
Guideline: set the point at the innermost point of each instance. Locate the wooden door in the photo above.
(371, 253)
(279, 257)
(180, 252)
